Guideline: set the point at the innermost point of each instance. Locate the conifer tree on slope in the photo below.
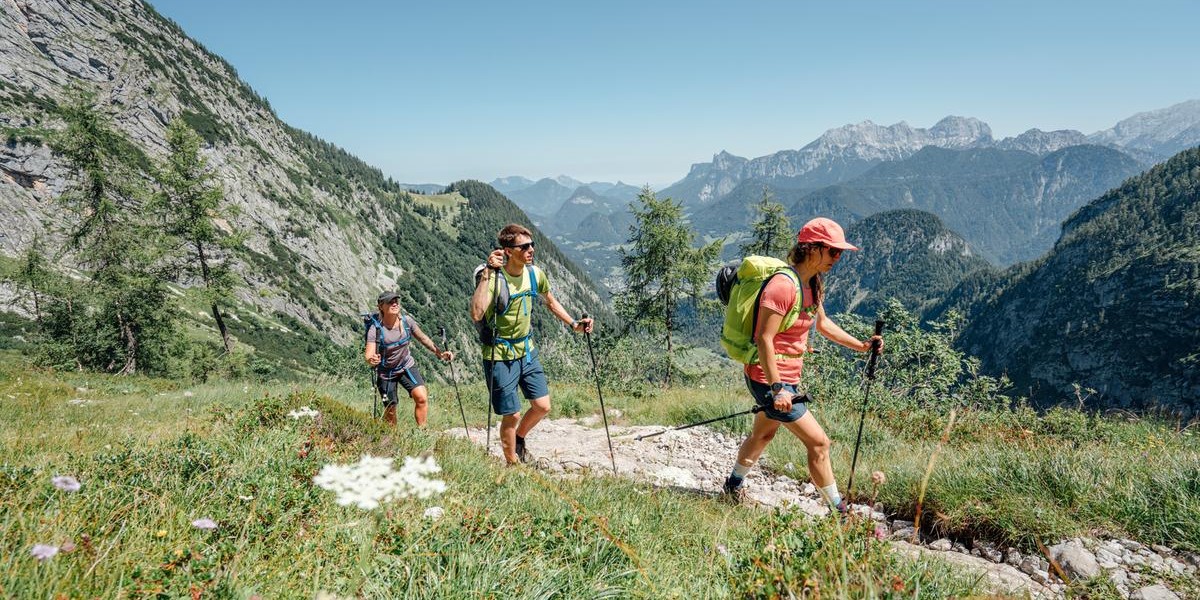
(114, 243)
(772, 234)
(662, 269)
(190, 202)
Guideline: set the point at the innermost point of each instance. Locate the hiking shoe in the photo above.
(841, 511)
(733, 494)
(522, 453)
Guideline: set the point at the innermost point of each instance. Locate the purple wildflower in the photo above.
(66, 483)
(206, 524)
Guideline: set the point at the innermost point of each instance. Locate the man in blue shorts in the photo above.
(510, 361)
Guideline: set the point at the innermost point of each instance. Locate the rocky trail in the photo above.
(697, 460)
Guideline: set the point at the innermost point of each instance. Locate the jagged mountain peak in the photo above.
(1162, 132)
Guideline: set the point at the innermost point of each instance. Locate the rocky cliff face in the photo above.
(319, 215)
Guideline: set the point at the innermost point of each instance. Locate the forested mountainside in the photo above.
(1114, 307)
(906, 255)
(323, 231)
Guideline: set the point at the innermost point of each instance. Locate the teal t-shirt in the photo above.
(516, 322)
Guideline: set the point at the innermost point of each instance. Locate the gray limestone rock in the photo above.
(1076, 560)
(1154, 592)
(941, 545)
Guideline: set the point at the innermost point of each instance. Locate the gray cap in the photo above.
(387, 297)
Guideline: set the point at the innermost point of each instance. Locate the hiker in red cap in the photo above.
(775, 378)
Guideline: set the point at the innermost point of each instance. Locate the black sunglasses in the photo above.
(834, 252)
(522, 247)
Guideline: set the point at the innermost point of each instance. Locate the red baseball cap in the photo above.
(824, 231)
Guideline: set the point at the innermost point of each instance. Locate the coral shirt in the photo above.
(780, 296)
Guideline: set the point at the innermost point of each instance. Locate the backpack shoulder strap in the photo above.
(792, 314)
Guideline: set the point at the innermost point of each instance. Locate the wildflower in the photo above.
(245, 498)
(43, 552)
(789, 467)
(303, 412)
(881, 532)
(205, 523)
(372, 481)
(68, 547)
(878, 478)
(66, 483)
(723, 551)
(434, 513)
(160, 533)
(188, 394)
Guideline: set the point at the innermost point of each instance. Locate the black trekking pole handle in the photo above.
(454, 378)
(603, 410)
(796, 399)
(866, 397)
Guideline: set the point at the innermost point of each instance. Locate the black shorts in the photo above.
(410, 378)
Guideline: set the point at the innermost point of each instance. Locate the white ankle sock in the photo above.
(831, 494)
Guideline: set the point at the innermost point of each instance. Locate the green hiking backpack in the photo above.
(740, 289)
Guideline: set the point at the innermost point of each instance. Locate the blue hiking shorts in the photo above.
(410, 378)
(505, 376)
(762, 396)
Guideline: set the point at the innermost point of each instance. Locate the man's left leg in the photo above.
(536, 388)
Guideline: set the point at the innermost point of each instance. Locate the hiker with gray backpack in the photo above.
(506, 289)
(772, 305)
(388, 348)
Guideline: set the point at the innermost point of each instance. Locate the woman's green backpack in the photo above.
(740, 289)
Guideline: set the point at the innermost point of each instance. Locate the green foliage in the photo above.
(130, 319)
(190, 201)
(662, 268)
(791, 562)
(772, 232)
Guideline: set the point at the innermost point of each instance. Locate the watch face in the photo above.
(775, 387)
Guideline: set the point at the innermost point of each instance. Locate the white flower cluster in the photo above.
(372, 481)
(303, 412)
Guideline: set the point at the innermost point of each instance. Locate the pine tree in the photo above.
(662, 268)
(114, 243)
(190, 202)
(772, 232)
(33, 277)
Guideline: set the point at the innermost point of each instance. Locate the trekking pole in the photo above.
(603, 411)
(757, 409)
(866, 397)
(491, 374)
(454, 378)
(374, 400)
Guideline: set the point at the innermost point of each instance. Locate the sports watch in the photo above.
(776, 388)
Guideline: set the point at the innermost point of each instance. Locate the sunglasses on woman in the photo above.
(834, 252)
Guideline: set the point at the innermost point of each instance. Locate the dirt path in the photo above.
(696, 461)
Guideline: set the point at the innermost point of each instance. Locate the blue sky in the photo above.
(638, 91)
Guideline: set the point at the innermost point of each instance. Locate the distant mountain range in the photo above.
(547, 196)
